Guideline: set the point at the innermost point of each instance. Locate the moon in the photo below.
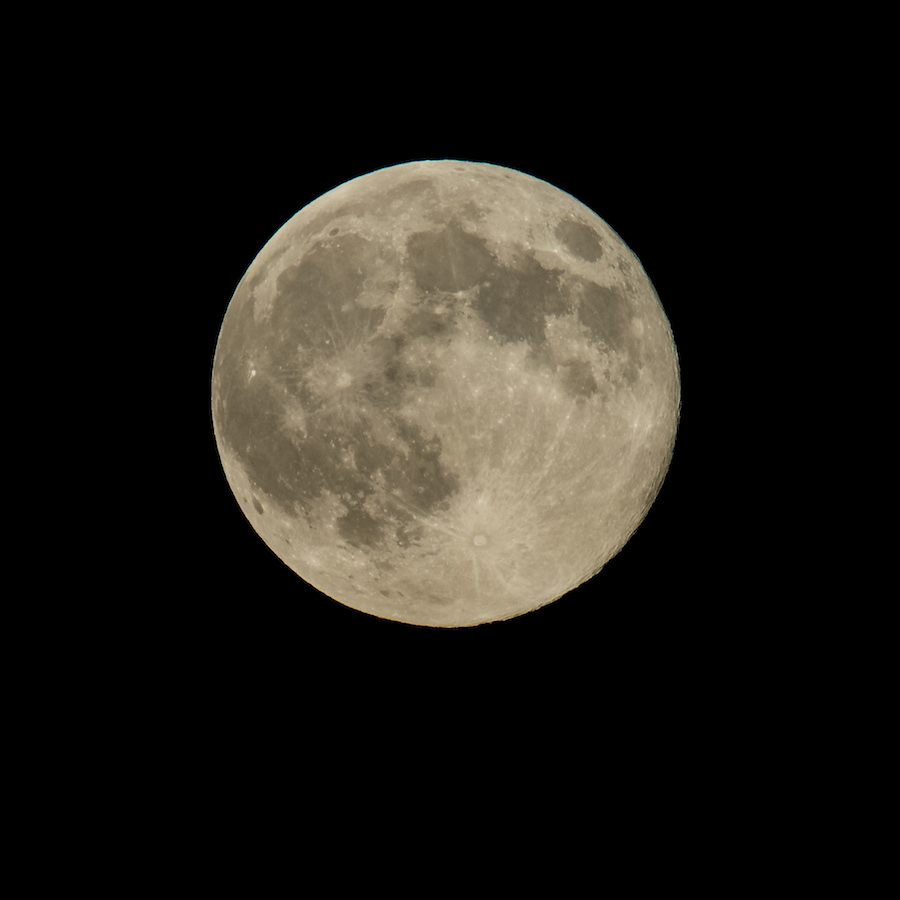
(445, 393)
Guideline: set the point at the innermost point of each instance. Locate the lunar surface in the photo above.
(445, 393)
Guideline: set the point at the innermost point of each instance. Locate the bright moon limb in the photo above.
(445, 393)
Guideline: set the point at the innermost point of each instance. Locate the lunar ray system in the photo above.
(445, 393)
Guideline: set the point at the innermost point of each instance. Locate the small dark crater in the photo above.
(334, 231)
(258, 506)
(580, 240)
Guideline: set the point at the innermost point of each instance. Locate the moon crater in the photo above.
(449, 390)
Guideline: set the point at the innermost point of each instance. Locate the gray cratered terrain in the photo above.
(445, 393)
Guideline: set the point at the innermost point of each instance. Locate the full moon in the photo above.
(445, 393)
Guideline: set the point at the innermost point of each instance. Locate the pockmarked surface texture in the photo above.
(445, 393)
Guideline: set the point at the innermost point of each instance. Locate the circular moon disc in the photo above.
(445, 393)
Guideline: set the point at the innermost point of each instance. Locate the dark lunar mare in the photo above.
(515, 300)
(315, 316)
(580, 240)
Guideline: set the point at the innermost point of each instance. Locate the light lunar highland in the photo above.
(445, 393)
